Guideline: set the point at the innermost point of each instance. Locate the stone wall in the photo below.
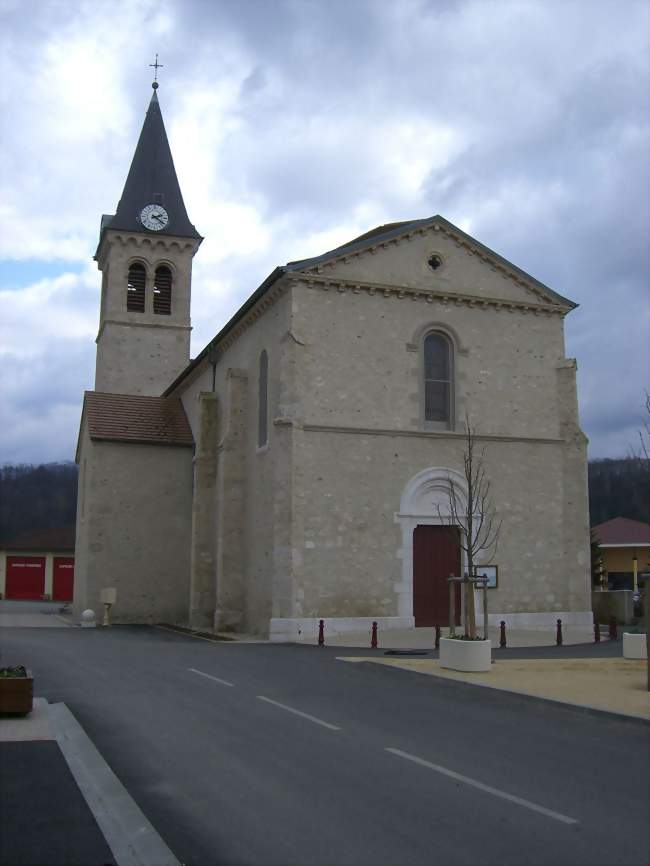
(133, 530)
(142, 353)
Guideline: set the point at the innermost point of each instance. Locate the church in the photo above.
(299, 467)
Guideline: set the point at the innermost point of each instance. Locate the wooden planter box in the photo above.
(17, 694)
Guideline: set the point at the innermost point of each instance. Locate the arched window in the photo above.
(135, 288)
(263, 401)
(162, 291)
(437, 379)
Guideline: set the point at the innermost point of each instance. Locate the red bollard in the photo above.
(613, 628)
(596, 632)
(373, 638)
(321, 632)
(502, 634)
(558, 637)
(436, 643)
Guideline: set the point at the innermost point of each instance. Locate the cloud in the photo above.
(298, 125)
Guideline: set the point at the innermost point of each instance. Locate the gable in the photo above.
(399, 255)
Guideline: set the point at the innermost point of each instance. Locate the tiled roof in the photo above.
(621, 530)
(42, 539)
(126, 418)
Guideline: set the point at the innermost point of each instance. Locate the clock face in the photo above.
(154, 217)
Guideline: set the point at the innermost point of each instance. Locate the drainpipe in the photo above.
(213, 357)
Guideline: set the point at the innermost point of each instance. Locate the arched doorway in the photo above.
(430, 549)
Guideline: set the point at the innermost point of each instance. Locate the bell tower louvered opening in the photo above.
(135, 288)
(162, 291)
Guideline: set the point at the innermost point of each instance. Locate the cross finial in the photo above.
(156, 67)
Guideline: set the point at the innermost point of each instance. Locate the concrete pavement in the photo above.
(32, 614)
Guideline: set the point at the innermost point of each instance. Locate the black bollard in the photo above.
(558, 636)
(321, 632)
(436, 642)
(373, 637)
(502, 635)
(596, 632)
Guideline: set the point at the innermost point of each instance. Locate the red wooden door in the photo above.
(25, 577)
(436, 555)
(63, 578)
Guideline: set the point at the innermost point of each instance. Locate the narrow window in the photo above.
(135, 288)
(437, 379)
(262, 427)
(162, 291)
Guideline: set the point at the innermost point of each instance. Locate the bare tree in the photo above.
(644, 434)
(644, 457)
(475, 516)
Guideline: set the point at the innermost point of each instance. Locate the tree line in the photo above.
(45, 496)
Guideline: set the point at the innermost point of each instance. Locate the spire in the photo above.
(152, 181)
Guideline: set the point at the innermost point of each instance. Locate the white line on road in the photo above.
(299, 713)
(487, 788)
(210, 677)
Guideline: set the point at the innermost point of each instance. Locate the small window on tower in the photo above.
(135, 288)
(162, 291)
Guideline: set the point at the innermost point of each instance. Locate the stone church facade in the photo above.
(299, 467)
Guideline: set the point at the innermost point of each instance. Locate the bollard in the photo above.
(596, 632)
(558, 638)
(373, 638)
(321, 632)
(613, 628)
(502, 635)
(436, 643)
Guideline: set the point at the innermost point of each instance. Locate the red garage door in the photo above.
(25, 577)
(63, 578)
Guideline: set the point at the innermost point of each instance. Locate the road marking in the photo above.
(210, 677)
(299, 713)
(487, 788)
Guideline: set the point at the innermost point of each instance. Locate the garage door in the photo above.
(63, 578)
(25, 577)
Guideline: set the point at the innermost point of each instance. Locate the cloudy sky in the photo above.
(298, 124)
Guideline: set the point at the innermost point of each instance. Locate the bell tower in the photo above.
(145, 255)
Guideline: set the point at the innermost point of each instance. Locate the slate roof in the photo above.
(128, 418)
(60, 539)
(622, 531)
(152, 180)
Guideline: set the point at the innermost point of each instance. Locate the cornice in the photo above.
(153, 243)
(461, 240)
(126, 324)
(459, 299)
(256, 312)
(422, 434)
(267, 300)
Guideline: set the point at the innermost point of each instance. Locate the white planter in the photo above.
(465, 655)
(634, 646)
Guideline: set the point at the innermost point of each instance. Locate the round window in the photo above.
(435, 262)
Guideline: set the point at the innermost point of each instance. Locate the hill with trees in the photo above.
(45, 496)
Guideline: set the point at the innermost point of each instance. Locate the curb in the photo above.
(130, 836)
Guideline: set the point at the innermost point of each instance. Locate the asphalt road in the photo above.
(259, 754)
